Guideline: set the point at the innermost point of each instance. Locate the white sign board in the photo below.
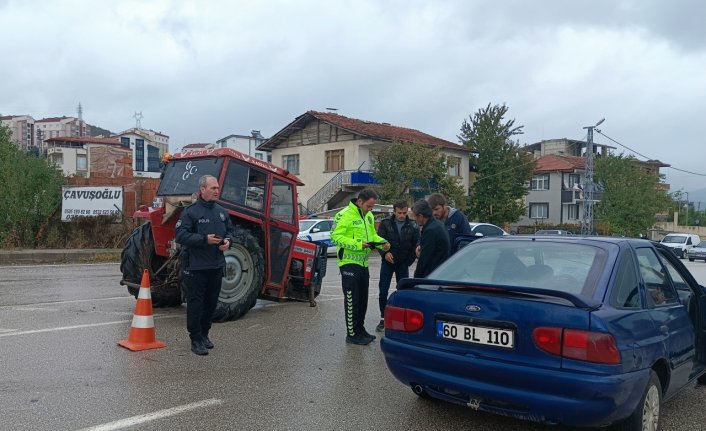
(86, 201)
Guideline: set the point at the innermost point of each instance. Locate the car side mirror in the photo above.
(315, 230)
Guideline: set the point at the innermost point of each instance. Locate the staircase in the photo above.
(343, 181)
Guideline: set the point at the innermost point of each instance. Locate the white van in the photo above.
(680, 243)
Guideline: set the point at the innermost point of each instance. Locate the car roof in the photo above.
(589, 239)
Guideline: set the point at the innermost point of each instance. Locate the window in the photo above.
(125, 142)
(81, 162)
(139, 154)
(626, 290)
(540, 182)
(573, 211)
(258, 156)
(660, 291)
(282, 202)
(269, 157)
(454, 166)
(539, 210)
(334, 160)
(152, 159)
(245, 186)
(290, 162)
(573, 180)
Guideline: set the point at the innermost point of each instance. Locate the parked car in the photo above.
(562, 330)
(486, 229)
(681, 243)
(553, 232)
(317, 230)
(697, 252)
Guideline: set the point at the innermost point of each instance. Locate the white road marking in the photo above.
(3, 330)
(61, 264)
(75, 301)
(160, 414)
(90, 325)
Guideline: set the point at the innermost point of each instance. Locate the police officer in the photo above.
(354, 234)
(204, 230)
(403, 235)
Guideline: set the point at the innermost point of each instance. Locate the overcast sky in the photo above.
(199, 71)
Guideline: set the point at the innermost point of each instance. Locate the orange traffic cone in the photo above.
(142, 335)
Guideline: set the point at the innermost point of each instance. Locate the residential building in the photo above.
(86, 156)
(53, 127)
(246, 144)
(332, 155)
(22, 130)
(556, 194)
(147, 148)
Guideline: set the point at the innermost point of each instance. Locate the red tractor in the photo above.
(266, 259)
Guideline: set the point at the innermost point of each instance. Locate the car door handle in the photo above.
(664, 329)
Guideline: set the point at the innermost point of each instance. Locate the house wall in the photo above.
(65, 158)
(246, 145)
(148, 142)
(558, 212)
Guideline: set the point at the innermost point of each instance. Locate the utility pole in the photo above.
(587, 223)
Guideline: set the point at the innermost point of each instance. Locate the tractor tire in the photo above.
(243, 279)
(139, 254)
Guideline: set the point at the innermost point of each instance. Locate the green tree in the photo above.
(406, 170)
(503, 167)
(631, 196)
(30, 192)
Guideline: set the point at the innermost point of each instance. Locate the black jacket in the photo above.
(401, 246)
(196, 222)
(435, 247)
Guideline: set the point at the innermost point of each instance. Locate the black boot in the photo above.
(198, 348)
(360, 340)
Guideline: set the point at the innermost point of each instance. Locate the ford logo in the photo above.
(472, 308)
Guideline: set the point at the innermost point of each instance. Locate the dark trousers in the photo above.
(355, 281)
(386, 271)
(202, 289)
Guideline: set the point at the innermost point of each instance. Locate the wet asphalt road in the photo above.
(284, 366)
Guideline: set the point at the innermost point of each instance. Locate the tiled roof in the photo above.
(85, 140)
(371, 129)
(557, 163)
(54, 119)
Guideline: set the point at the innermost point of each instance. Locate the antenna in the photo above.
(79, 109)
(138, 117)
(332, 109)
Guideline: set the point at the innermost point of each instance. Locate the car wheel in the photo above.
(646, 414)
(691, 260)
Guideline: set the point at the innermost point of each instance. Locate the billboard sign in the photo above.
(86, 201)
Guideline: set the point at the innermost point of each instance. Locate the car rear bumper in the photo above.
(540, 395)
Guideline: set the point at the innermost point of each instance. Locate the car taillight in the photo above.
(403, 319)
(576, 344)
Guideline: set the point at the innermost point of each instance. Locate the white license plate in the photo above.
(476, 334)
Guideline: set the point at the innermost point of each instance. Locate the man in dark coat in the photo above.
(434, 246)
(455, 220)
(403, 236)
(204, 230)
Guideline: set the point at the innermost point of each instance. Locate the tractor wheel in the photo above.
(243, 279)
(139, 254)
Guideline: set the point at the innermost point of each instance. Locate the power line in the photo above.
(647, 158)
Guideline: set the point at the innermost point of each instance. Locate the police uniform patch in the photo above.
(178, 223)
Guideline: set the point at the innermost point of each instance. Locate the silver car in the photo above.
(697, 252)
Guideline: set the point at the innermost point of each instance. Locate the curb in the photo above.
(28, 257)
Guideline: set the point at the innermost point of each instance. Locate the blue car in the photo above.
(581, 331)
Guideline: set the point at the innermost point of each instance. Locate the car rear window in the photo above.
(567, 267)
